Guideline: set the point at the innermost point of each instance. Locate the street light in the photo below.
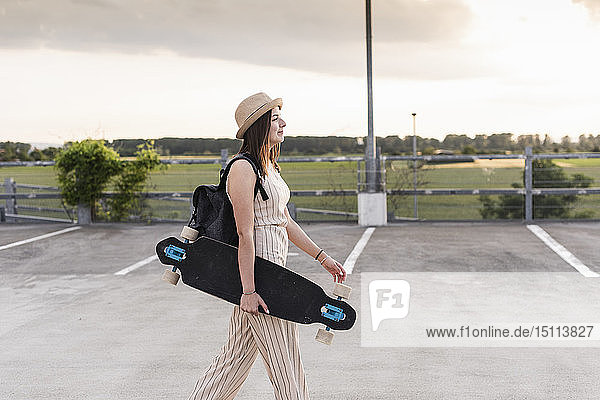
(370, 150)
(415, 163)
(372, 204)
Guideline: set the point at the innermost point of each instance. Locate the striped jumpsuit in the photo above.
(275, 339)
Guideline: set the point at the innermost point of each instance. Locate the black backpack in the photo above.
(212, 213)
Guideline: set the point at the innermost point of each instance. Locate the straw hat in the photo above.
(251, 109)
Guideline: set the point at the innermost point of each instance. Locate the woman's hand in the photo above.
(336, 269)
(250, 302)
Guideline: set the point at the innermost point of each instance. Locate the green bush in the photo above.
(131, 182)
(86, 168)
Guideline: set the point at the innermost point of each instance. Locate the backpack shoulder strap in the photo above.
(257, 186)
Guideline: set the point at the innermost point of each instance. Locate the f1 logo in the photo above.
(389, 299)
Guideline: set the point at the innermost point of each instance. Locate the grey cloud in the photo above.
(310, 35)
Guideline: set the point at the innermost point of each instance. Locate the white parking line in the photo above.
(33, 239)
(138, 264)
(562, 251)
(358, 248)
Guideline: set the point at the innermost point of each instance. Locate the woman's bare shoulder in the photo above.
(241, 169)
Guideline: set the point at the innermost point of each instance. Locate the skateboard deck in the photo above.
(211, 266)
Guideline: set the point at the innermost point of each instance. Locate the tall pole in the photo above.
(370, 150)
(416, 213)
(528, 184)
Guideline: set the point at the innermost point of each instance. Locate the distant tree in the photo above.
(456, 142)
(468, 149)
(37, 155)
(480, 142)
(428, 142)
(126, 147)
(8, 151)
(428, 151)
(586, 143)
(529, 140)
(596, 143)
(50, 152)
(13, 151)
(548, 142)
(391, 144)
(500, 142)
(565, 143)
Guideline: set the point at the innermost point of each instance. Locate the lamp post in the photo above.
(415, 163)
(372, 203)
(370, 149)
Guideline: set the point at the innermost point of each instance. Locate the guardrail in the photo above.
(12, 207)
(529, 192)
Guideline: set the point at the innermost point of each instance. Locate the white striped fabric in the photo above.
(277, 342)
(275, 339)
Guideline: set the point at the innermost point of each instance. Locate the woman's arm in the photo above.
(240, 186)
(297, 236)
(300, 238)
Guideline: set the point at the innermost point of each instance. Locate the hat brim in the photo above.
(256, 115)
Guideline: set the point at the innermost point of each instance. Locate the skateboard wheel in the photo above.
(342, 290)
(170, 276)
(324, 336)
(189, 233)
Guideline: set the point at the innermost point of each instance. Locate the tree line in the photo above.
(16, 151)
(317, 145)
(392, 145)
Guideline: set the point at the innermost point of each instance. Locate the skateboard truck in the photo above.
(175, 253)
(178, 254)
(333, 313)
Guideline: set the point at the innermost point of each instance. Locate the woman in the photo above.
(263, 228)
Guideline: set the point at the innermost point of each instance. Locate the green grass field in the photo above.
(331, 176)
(585, 162)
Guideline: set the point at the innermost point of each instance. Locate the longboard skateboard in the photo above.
(211, 266)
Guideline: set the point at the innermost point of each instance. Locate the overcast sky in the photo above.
(71, 69)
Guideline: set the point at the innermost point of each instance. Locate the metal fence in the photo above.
(323, 199)
(542, 199)
(27, 202)
(436, 187)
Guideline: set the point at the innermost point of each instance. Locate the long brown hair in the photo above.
(256, 142)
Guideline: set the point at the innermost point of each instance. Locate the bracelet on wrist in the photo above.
(252, 292)
(322, 261)
(323, 258)
(318, 254)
